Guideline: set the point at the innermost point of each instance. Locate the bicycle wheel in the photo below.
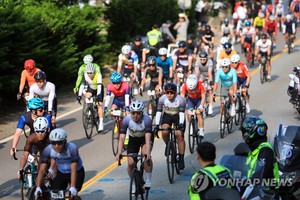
(176, 158)
(170, 161)
(88, 121)
(261, 74)
(222, 122)
(289, 45)
(192, 135)
(134, 180)
(228, 118)
(27, 183)
(237, 117)
(115, 138)
(243, 111)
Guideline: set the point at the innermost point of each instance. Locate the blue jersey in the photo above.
(64, 159)
(136, 129)
(227, 79)
(165, 65)
(26, 119)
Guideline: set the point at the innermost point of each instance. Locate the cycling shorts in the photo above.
(259, 28)
(170, 119)
(135, 143)
(128, 71)
(118, 103)
(224, 92)
(153, 85)
(263, 53)
(94, 92)
(193, 103)
(241, 82)
(54, 106)
(248, 40)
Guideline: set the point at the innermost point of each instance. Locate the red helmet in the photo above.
(29, 64)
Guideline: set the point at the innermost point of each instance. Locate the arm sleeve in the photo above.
(51, 96)
(148, 124)
(126, 99)
(80, 75)
(46, 154)
(125, 124)
(74, 153)
(99, 84)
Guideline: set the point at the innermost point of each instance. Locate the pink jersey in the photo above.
(119, 93)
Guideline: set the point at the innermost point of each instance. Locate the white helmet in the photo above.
(280, 1)
(289, 17)
(40, 124)
(272, 17)
(235, 15)
(192, 81)
(261, 15)
(263, 7)
(58, 135)
(88, 59)
(126, 49)
(90, 68)
(225, 62)
(163, 51)
(223, 40)
(137, 106)
(235, 58)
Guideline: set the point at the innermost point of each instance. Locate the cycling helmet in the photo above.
(261, 15)
(223, 40)
(58, 135)
(272, 17)
(203, 54)
(264, 36)
(235, 58)
(253, 128)
(126, 49)
(182, 44)
(235, 15)
(248, 23)
(151, 60)
(116, 77)
(227, 47)
(170, 87)
(225, 62)
(296, 70)
(288, 16)
(40, 124)
(192, 81)
(35, 103)
(88, 58)
(162, 51)
(29, 64)
(137, 106)
(138, 38)
(90, 68)
(226, 21)
(279, 5)
(40, 75)
(207, 27)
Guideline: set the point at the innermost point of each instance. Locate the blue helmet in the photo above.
(35, 103)
(248, 23)
(116, 77)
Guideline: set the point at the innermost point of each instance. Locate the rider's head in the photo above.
(264, 37)
(29, 65)
(248, 24)
(192, 82)
(225, 64)
(235, 59)
(226, 21)
(90, 69)
(40, 78)
(182, 46)
(116, 79)
(162, 52)
(137, 40)
(170, 90)
(190, 38)
(207, 28)
(126, 49)
(136, 110)
(261, 15)
(228, 47)
(36, 106)
(288, 17)
(203, 57)
(272, 18)
(151, 62)
(253, 128)
(58, 137)
(40, 126)
(88, 59)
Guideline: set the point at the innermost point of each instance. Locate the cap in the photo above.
(168, 22)
(181, 15)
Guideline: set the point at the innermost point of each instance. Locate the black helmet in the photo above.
(151, 60)
(203, 54)
(138, 38)
(182, 44)
(207, 27)
(253, 128)
(226, 21)
(264, 36)
(40, 75)
(170, 87)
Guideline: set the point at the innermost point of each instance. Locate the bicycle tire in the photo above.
(289, 45)
(26, 191)
(228, 118)
(176, 158)
(115, 137)
(134, 179)
(154, 108)
(170, 161)
(237, 117)
(191, 138)
(222, 122)
(261, 74)
(88, 121)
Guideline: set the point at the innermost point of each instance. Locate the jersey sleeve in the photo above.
(217, 78)
(125, 124)
(46, 154)
(22, 122)
(234, 74)
(148, 123)
(74, 153)
(80, 75)
(22, 80)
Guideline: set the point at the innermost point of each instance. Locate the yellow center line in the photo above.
(110, 168)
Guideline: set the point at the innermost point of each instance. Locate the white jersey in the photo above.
(136, 129)
(227, 30)
(279, 10)
(248, 32)
(46, 93)
(263, 47)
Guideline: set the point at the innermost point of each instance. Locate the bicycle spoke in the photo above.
(170, 161)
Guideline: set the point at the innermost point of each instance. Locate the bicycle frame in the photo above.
(117, 115)
(89, 116)
(263, 69)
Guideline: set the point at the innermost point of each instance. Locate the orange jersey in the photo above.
(223, 54)
(195, 93)
(25, 76)
(241, 70)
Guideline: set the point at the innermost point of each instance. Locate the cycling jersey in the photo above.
(226, 29)
(136, 129)
(203, 69)
(183, 58)
(193, 47)
(139, 51)
(32, 140)
(121, 94)
(154, 37)
(240, 25)
(195, 93)
(129, 60)
(263, 47)
(242, 70)
(271, 27)
(208, 36)
(25, 76)
(223, 54)
(81, 71)
(227, 79)
(64, 159)
(289, 27)
(155, 75)
(26, 119)
(248, 33)
(164, 64)
(295, 6)
(280, 10)
(259, 22)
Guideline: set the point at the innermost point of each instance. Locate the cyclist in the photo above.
(289, 29)
(166, 63)
(154, 39)
(46, 91)
(69, 165)
(27, 75)
(210, 173)
(121, 91)
(195, 92)
(173, 106)
(279, 13)
(271, 28)
(208, 38)
(86, 59)
(140, 49)
(204, 70)
(248, 37)
(192, 45)
(227, 52)
(36, 109)
(227, 29)
(259, 22)
(92, 86)
(241, 24)
(295, 9)
(243, 77)
(228, 78)
(37, 141)
(263, 49)
(129, 60)
(139, 127)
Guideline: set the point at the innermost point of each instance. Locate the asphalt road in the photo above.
(104, 180)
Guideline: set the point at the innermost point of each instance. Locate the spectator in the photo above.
(199, 10)
(167, 36)
(181, 27)
(154, 38)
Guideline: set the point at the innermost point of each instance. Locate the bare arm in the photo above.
(73, 174)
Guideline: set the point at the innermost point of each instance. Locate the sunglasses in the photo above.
(225, 67)
(202, 59)
(89, 72)
(118, 83)
(163, 55)
(152, 65)
(235, 62)
(40, 132)
(136, 113)
(170, 92)
(57, 142)
(40, 81)
(40, 109)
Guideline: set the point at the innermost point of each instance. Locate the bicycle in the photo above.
(207, 88)
(249, 55)
(128, 78)
(181, 75)
(52, 194)
(89, 116)
(193, 131)
(137, 177)
(263, 69)
(290, 41)
(152, 104)
(240, 107)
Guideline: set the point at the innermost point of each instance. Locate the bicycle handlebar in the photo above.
(14, 154)
(135, 157)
